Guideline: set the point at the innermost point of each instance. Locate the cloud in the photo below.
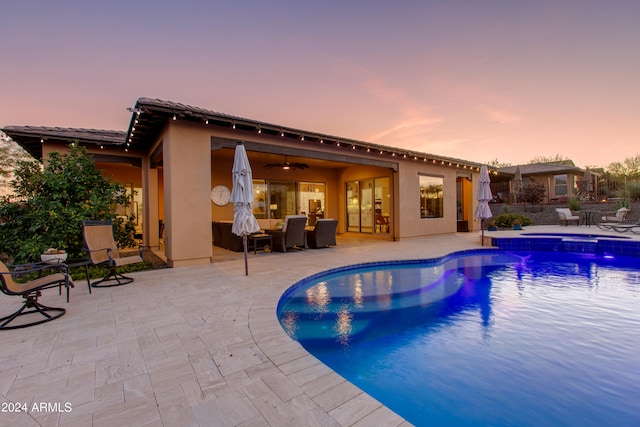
(502, 117)
(407, 129)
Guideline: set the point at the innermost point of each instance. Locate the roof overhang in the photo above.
(150, 116)
(31, 138)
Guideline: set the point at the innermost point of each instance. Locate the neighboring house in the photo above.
(172, 156)
(561, 179)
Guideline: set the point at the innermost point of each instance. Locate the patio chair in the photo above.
(382, 222)
(323, 234)
(103, 250)
(31, 290)
(292, 234)
(566, 215)
(616, 216)
(612, 219)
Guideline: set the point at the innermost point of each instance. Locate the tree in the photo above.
(625, 175)
(558, 158)
(497, 164)
(10, 155)
(533, 194)
(51, 202)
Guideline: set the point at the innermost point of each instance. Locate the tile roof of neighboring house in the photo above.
(31, 137)
(542, 169)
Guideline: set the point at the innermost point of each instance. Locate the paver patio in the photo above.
(194, 346)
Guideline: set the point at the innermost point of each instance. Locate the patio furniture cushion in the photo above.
(566, 215)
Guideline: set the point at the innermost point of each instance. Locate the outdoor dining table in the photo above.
(587, 217)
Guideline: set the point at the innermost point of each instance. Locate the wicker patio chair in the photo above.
(292, 234)
(323, 234)
(31, 290)
(103, 250)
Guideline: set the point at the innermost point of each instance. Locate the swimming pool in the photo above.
(481, 337)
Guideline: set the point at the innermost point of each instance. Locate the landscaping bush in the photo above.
(51, 203)
(574, 204)
(506, 220)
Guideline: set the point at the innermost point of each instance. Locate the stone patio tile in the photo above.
(231, 409)
(335, 396)
(355, 410)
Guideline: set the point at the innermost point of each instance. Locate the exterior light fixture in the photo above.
(175, 117)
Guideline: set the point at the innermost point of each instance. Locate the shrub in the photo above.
(574, 203)
(51, 203)
(506, 220)
(533, 194)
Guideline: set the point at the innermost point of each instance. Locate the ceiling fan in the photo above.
(286, 165)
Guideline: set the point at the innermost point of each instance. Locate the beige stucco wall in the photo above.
(178, 192)
(409, 200)
(187, 210)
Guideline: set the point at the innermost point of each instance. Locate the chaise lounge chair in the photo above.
(323, 234)
(31, 290)
(292, 234)
(566, 215)
(623, 228)
(103, 250)
(609, 220)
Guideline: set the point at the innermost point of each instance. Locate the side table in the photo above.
(255, 238)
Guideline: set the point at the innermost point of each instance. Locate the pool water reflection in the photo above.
(481, 337)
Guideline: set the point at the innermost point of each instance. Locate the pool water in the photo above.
(482, 338)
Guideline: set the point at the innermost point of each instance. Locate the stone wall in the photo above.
(546, 214)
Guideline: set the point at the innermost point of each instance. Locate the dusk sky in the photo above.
(475, 79)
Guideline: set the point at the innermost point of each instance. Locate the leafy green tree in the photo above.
(51, 202)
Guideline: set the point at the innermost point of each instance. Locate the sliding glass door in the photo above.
(368, 205)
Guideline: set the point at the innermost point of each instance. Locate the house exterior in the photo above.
(560, 179)
(173, 155)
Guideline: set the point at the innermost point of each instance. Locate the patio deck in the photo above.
(196, 346)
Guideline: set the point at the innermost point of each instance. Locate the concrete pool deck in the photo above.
(197, 346)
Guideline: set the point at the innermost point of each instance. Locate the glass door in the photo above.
(366, 206)
(353, 206)
(360, 206)
(382, 205)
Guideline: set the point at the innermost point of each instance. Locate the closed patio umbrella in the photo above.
(484, 195)
(517, 182)
(589, 182)
(244, 223)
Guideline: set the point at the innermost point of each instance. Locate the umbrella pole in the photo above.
(482, 226)
(246, 264)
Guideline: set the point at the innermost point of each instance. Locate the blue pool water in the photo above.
(487, 338)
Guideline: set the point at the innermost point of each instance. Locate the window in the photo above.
(276, 199)
(560, 184)
(431, 196)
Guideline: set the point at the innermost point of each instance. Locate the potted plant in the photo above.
(516, 224)
(491, 225)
